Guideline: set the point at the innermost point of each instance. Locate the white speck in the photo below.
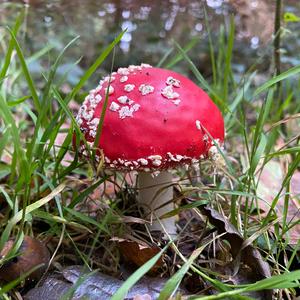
(146, 66)
(98, 88)
(205, 138)
(95, 121)
(107, 160)
(214, 3)
(172, 81)
(156, 162)
(171, 156)
(179, 157)
(135, 107)
(153, 157)
(198, 27)
(127, 163)
(110, 90)
(169, 93)
(176, 102)
(125, 111)
(155, 173)
(129, 87)
(254, 4)
(87, 115)
(93, 133)
(198, 124)
(123, 78)
(111, 78)
(254, 42)
(213, 153)
(133, 68)
(146, 89)
(98, 98)
(135, 163)
(143, 161)
(114, 106)
(123, 71)
(79, 121)
(123, 99)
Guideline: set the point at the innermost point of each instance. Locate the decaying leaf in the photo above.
(32, 253)
(139, 252)
(96, 286)
(249, 255)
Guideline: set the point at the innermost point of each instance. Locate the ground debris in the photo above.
(96, 286)
(248, 264)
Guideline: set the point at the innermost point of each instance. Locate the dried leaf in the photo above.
(248, 255)
(31, 254)
(139, 252)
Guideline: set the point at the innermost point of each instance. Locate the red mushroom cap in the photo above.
(156, 119)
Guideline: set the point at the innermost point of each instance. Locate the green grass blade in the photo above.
(95, 65)
(86, 192)
(18, 216)
(291, 72)
(228, 55)
(200, 78)
(18, 101)
(173, 283)
(211, 48)
(179, 56)
(7, 59)
(54, 69)
(26, 73)
(136, 276)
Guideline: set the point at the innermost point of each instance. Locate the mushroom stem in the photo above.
(155, 196)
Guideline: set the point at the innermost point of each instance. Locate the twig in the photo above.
(277, 35)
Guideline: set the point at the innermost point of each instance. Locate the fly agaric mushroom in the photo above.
(156, 120)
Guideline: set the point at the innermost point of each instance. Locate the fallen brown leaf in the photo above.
(32, 253)
(139, 252)
(249, 255)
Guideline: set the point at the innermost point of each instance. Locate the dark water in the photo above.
(151, 28)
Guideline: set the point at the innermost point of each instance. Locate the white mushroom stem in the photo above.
(155, 196)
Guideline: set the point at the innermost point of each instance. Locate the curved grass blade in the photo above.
(136, 276)
(18, 216)
(94, 66)
(26, 73)
(293, 71)
(7, 59)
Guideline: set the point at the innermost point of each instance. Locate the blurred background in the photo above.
(152, 26)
